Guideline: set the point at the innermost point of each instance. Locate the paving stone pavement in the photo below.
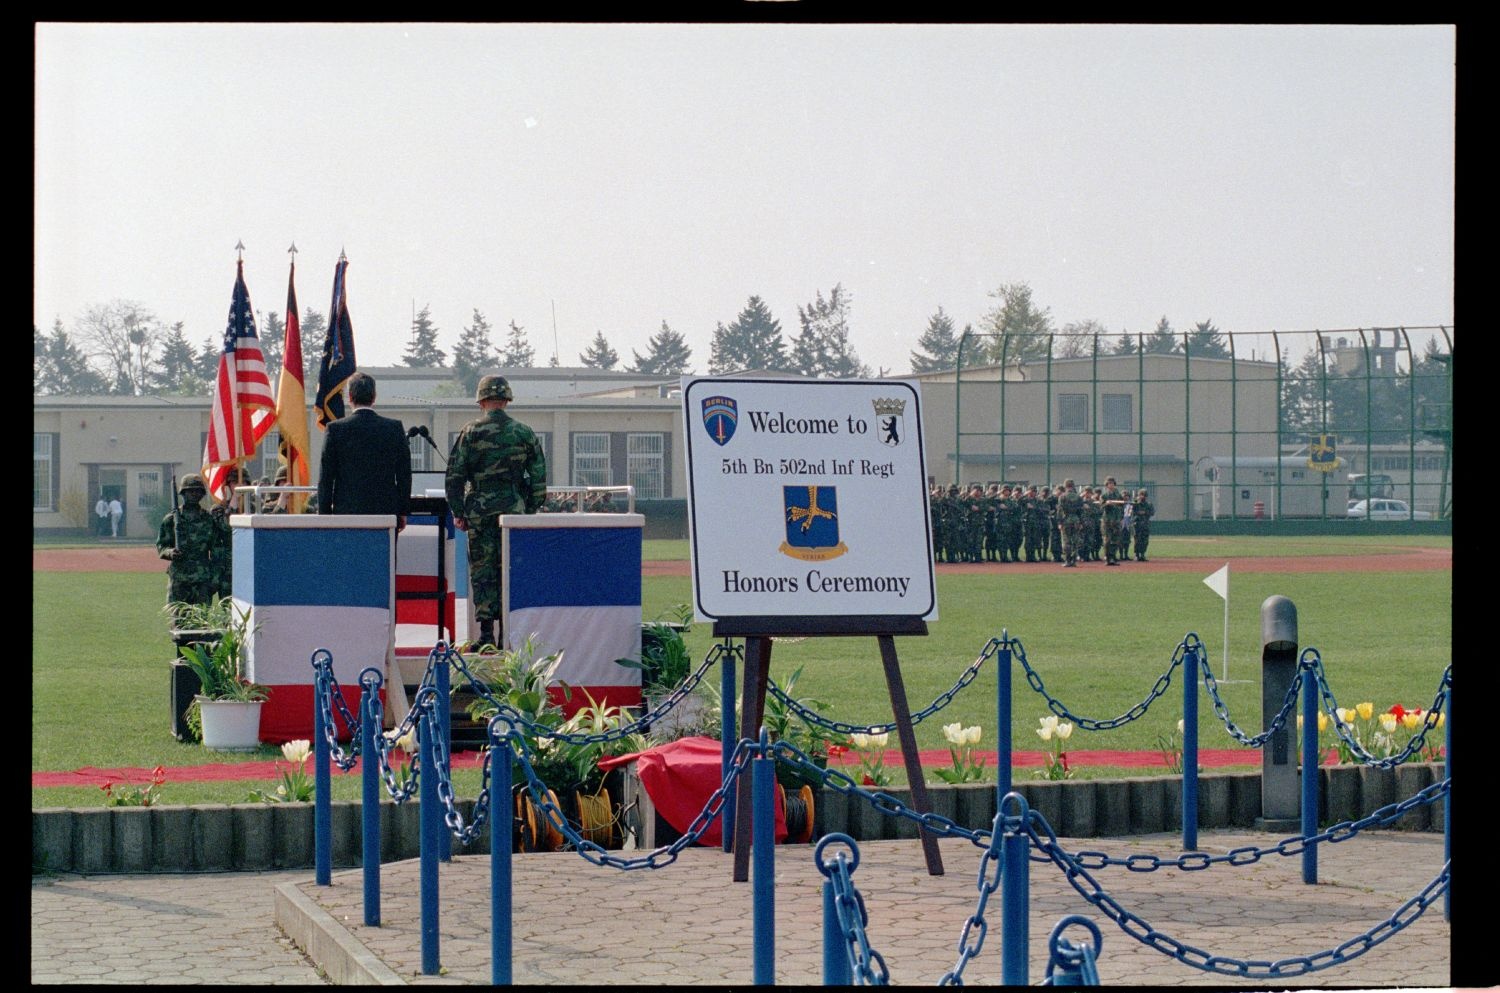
(213, 929)
(687, 924)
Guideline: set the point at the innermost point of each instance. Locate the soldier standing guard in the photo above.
(195, 543)
(1113, 502)
(1142, 512)
(496, 467)
(1070, 518)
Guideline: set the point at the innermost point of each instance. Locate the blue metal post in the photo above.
(763, 859)
(1002, 719)
(835, 957)
(500, 867)
(445, 723)
(370, 800)
(1190, 754)
(426, 728)
(1311, 761)
(322, 783)
(1015, 897)
(1448, 803)
(729, 735)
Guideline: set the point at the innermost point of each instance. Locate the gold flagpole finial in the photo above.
(239, 246)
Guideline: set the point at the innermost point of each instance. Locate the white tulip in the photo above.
(971, 735)
(296, 751)
(1044, 732)
(1064, 730)
(954, 732)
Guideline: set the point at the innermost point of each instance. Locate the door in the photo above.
(112, 487)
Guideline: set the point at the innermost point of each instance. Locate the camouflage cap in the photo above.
(191, 481)
(494, 388)
(1068, 483)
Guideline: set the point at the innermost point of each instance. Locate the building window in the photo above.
(544, 438)
(147, 490)
(43, 498)
(1072, 412)
(1116, 411)
(645, 462)
(591, 459)
(270, 457)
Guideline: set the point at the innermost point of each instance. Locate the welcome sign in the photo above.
(807, 499)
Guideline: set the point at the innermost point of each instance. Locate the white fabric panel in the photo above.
(282, 646)
(594, 637)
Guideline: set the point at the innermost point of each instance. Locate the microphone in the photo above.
(421, 429)
(412, 432)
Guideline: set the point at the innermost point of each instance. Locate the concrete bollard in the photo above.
(1280, 785)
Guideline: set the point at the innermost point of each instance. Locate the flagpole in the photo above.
(1226, 636)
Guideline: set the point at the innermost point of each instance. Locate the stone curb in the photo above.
(343, 959)
(245, 837)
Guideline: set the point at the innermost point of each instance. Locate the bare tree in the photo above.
(123, 335)
(1077, 338)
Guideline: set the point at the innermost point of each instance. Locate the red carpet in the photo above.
(267, 770)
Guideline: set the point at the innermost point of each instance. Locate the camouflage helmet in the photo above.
(191, 481)
(493, 388)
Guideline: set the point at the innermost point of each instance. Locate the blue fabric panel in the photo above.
(565, 567)
(308, 567)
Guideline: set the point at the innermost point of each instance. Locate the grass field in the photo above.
(1098, 641)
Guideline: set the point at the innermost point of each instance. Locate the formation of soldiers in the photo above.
(1062, 524)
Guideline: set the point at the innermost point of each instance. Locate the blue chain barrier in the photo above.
(1190, 645)
(1141, 930)
(971, 938)
(1222, 709)
(1070, 964)
(322, 663)
(427, 701)
(640, 725)
(657, 858)
(866, 966)
(840, 727)
(1311, 659)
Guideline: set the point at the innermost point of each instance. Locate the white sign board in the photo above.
(807, 499)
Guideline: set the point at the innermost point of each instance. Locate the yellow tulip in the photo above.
(1442, 718)
(1345, 715)
(1388, 722)
(1411, 721)
(1322, 722)
(1365, 710)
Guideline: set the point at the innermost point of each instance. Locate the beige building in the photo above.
(1141, 419)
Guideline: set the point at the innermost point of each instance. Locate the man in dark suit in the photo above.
(366, 465)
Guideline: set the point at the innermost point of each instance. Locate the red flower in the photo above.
(107, 786)
(834, 751)
(1064, 757)
(1398, 710)
(158, 776)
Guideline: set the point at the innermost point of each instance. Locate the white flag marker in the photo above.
(1219, 583)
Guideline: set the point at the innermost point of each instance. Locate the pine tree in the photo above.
(314, 334)
(518, 353)
(939, 345)
(272, 343)
(208, 360)
(422, 352)
(599, 354)
(821, 349)
(474, 354)
(62, 367)
(667, 354)
(1127, 344)
(752, 341)
(1206, 342)
(1163, 341)
(1021, 330)
(178, 365)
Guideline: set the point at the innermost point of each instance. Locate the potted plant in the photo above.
(228, 703)
(783, 723)
(664, 664)
(190, 624)
(593, 809)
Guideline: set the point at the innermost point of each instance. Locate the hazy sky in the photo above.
(1266, 177)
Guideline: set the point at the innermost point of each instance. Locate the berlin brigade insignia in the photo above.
(1322, 453)
(890, 417)
(812, 523)
(720, 415)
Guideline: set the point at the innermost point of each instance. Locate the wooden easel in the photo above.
(758, 632)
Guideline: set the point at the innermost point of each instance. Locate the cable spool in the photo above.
(799, 814)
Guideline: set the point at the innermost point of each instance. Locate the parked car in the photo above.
(1387, 510)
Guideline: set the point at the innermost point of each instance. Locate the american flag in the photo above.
(241, 388)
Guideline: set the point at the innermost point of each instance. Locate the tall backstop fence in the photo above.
(1215, 426)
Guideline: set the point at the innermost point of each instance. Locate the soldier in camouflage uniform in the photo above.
(974, 523)
(1113, 502)
(1031, 525)
(992, 523)
(496, 467)
(1142, 511)
(1088, 541)
(195, 543)
(1070, 521)
(1054, 540)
